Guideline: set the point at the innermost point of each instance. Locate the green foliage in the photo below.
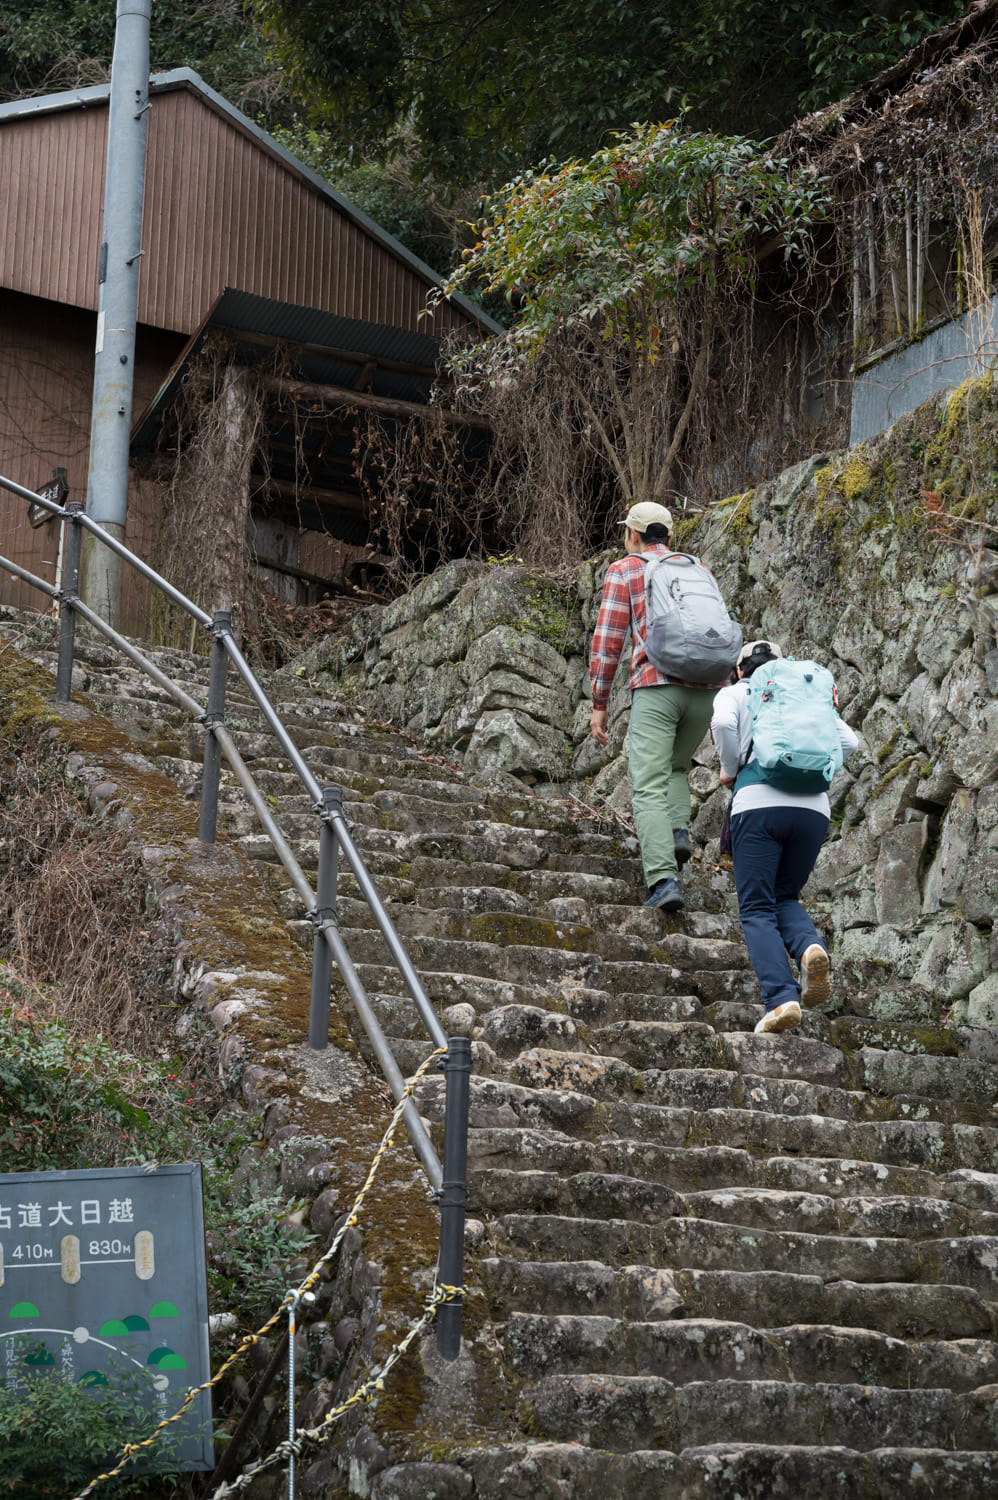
(406, 209)
(646, 221)
(490, 88)
(53, 44)
(67, 1104)
(250, 1241)
(627, 271)
(844, 57)
(64, 1101)
(56, 1435)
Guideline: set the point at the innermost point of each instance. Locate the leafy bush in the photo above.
(56, 1435)
(67, 1103)
(63, 1102)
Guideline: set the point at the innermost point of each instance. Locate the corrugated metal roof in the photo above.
(309, 325)
(240, 312)
(283, 253)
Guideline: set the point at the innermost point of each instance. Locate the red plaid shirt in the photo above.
(623, 609)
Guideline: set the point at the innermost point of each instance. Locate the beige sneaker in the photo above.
(782, 1018)
(815, 981)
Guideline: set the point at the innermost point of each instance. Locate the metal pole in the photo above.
(325, 911)
(292, 1329)
(68, 597)
(118, 277)
(215, 715)
(454, 1192)
(386, 927)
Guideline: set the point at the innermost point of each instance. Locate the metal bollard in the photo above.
(454, 1192)
(72, 543)
(325, 911)
(208, 824)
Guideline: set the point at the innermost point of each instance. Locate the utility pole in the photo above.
(120, 259)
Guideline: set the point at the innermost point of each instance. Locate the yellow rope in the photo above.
(131, 1449)
(364, 1394)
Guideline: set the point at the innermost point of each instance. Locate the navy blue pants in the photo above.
(774, 850)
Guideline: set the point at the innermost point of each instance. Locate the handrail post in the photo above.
(70, 591)
(221, 624)
(325, 911)
(454, 1193)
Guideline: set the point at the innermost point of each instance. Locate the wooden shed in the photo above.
(231, 220)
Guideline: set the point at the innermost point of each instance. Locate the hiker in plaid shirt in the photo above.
(669, 718)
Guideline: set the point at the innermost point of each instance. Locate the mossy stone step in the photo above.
(622, 1413)
(585, 1006)
(723, 1471)
(853, 1032)
(938, 1148)
(695, 1349)
(763, 1298)
(701, 1169)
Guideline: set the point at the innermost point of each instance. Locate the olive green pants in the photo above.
(667, 724)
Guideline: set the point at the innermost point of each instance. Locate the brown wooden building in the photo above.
(237, 235)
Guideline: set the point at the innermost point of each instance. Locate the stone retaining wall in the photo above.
(842, 558)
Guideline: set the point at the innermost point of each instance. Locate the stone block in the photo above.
(846, 862)
(982, 1003)
(857, 639)
(974, 753)
(924, 708)
(516, 742)
(897, 897)
(964, 688)
(944, 634)
(979, 887)
(954, 961)
(946, 874)
(520, 650)
(878, 948)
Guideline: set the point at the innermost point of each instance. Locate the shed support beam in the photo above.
(337, 395)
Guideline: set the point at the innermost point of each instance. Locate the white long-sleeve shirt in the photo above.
(731, 730)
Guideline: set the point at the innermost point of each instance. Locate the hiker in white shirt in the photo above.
(776, 837)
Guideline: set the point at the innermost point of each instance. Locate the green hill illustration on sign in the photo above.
(75, 1249)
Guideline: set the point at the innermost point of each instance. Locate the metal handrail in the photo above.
(449, 1180)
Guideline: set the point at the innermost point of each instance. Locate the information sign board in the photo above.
(105, 1269)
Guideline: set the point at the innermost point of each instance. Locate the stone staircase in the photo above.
(717, 1265)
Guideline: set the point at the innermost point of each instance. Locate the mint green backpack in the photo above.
(795, 734)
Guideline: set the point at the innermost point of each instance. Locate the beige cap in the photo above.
(747, 650)
(647, 513)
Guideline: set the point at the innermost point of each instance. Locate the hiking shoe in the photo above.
(667, 895)
(781, 1018)
(815, 984)
(682, 845)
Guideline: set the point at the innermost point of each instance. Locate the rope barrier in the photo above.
(292, 1448)
(440, 1294)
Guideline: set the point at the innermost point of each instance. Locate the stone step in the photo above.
(622, 1413)
(583, 1005)
(595, 1194)
(703, 1168)
(923, 1143)
(709, 1349)
(705, 1244)
(722, 1471)
(695, 1069)
(762, 1298)
(519, 962)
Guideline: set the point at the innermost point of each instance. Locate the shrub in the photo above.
(56, 1435)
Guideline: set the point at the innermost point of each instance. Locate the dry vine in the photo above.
(203, 544)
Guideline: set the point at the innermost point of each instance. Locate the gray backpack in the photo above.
(688, 631)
